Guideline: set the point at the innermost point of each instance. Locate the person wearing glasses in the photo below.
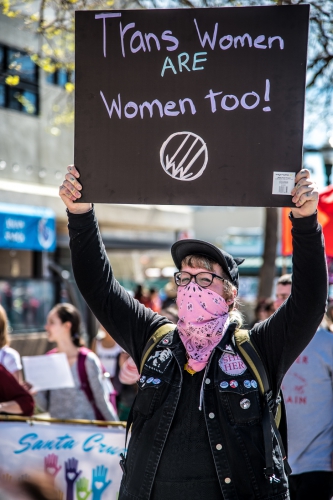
(197, 421)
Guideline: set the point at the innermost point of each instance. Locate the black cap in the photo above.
(182, 248)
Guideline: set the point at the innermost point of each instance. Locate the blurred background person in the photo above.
(329, 317)
(170, 291)
(143, 296)
(36, 487)
(14, 399)
(282, 290)
(9, 358)
(87, 400)
(155, 300)
(128, 376)
(308, 394)
(263, 310)
(108, 351)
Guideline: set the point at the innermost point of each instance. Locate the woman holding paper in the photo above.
(87, 400)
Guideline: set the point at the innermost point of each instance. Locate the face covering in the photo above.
(203, 320)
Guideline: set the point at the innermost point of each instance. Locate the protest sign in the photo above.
(190, 106)
(77, 458)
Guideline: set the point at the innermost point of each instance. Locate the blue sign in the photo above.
(25, 227)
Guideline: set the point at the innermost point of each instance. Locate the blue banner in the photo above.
(24, 227)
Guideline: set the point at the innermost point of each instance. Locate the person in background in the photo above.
(143, 296)
(9, 358)
(282, 290)
(35, 487)
(108, 351)
(123, 372)
(264, 309)
(329, 317)
(308, 394)
(170, 291)
(128, 376)
(14, 399)
(155, 300)
(63, 328)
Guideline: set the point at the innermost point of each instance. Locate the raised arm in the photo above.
(129, 322)
(282, 337)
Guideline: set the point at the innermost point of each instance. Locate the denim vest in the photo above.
(232, 406)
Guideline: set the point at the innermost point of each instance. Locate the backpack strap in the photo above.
(246, 348)
(85, 386)
(157, 336)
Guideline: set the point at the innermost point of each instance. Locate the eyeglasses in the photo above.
(204, 279)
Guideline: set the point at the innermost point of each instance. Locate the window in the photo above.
(19, 88)
(60, 77)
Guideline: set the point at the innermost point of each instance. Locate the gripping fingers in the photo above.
(70, 178)
(305, 193)
(63, 191)
(72, 189)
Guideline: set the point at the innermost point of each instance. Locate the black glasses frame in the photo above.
(213, 275)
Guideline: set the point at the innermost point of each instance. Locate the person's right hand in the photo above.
(69, 192)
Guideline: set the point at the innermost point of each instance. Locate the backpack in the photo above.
(274, 416)
(85, 386)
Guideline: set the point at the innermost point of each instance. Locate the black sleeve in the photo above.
(130, 323)
(282, 337)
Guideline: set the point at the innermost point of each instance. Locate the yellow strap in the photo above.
(242, 336)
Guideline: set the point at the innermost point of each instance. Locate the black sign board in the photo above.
(190, 106)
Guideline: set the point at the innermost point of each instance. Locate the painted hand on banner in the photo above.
(82, 489)
(99, 482)
(305, 195)
(71, 475)
(51, 467)
(69, 192)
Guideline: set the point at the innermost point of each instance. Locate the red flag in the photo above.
(325, 217)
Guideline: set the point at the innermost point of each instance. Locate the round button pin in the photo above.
(218, 447)
(233, 383)
(150, 380)
(245, 404)
(227, 480)
(247, 384)
(207, 380)
(156, 381)
(211, 415)
(254, 384)
(142, 379)
(224, 384)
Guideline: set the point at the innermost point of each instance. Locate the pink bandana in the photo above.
(203, 320)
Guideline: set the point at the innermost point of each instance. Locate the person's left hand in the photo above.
(305, 195)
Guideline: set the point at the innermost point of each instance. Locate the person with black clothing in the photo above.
(197, 427)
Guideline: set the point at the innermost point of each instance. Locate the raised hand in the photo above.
(99, 482)
(71, 475)
(82, 489)
(51, 467)
(69, 192)
(305, 195)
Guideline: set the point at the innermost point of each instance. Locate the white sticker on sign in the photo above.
(283, 182)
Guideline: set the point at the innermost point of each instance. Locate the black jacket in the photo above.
(235, 434)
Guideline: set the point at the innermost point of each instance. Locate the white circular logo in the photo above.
(184, 156)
